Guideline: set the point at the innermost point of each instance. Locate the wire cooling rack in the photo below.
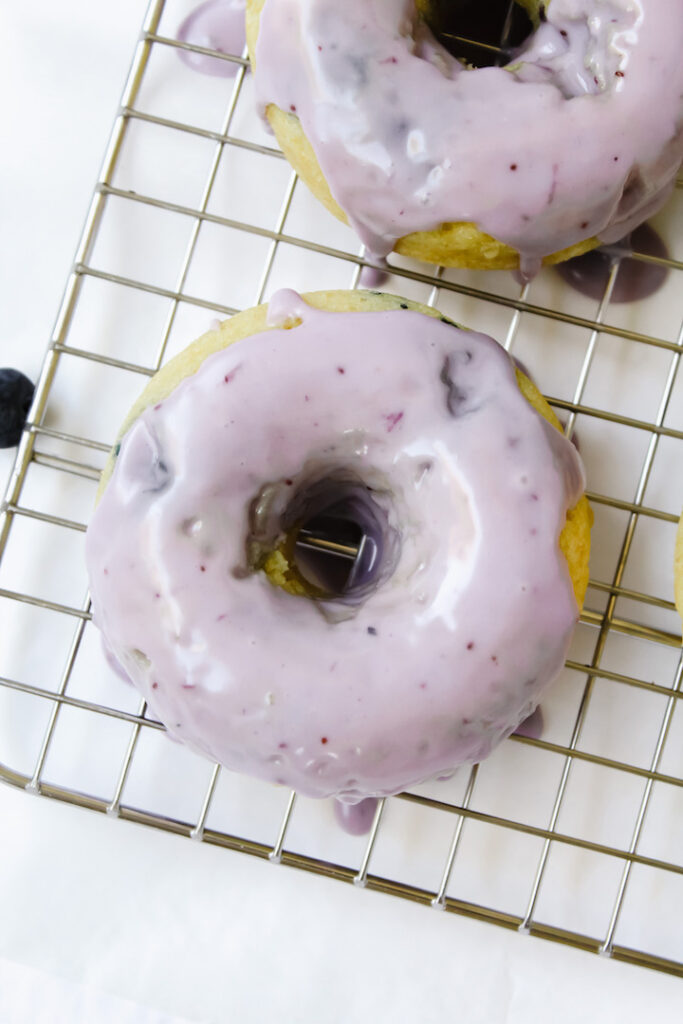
(575, 836)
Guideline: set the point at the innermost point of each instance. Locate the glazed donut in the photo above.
(379, 413)
(573, 144)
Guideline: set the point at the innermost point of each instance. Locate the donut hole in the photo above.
(336, 554)
(343, 546)
(332, 540)
(480, 33)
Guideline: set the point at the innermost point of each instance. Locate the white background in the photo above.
(93, 911)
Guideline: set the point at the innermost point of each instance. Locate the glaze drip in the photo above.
(356, 819)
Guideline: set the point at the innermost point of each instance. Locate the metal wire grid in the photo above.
(604, 622)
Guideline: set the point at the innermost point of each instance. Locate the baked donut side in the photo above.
(451, 630)
(633, 195)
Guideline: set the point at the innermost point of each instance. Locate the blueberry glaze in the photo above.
(443, 650)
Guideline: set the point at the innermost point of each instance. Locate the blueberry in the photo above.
(16, 394)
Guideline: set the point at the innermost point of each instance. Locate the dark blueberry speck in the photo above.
(359, 68)
(372, 631)
(404, 305)
(159, 476)
(16, 395)
(459, 400)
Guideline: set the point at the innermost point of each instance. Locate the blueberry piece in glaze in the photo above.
(144, 468)
(460, 399)
(159, 476)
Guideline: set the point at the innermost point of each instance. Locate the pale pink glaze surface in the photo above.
(579, 136)
(436, 664)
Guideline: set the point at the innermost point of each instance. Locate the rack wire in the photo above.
(593, 857)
